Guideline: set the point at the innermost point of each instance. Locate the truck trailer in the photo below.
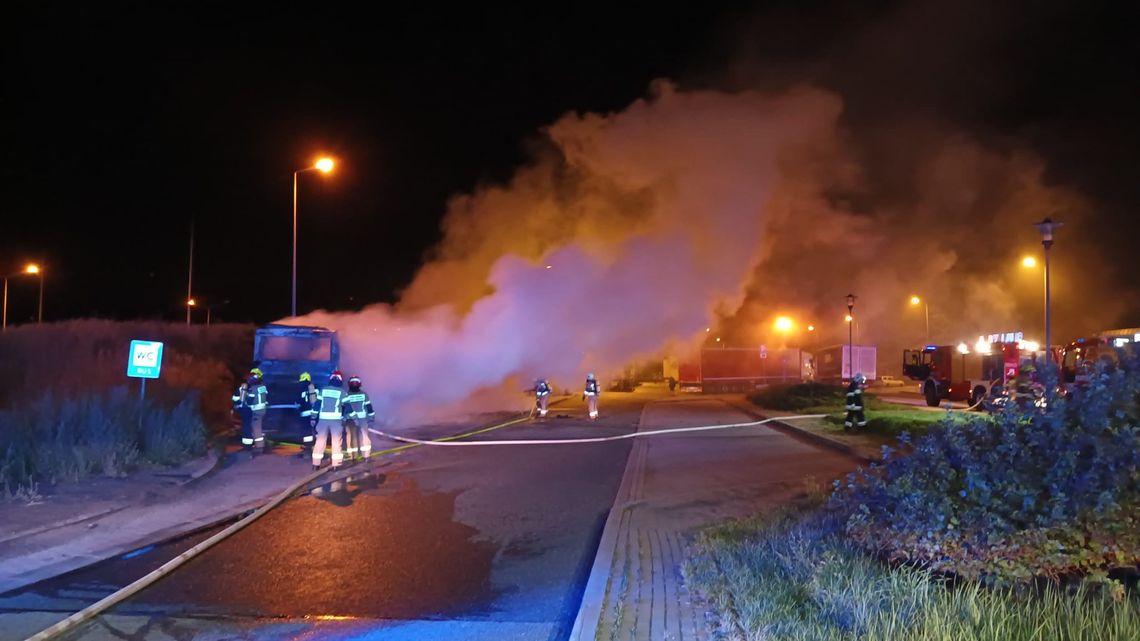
(834, 364)
(740, 369)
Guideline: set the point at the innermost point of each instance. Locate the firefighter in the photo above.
(307, 408)
(330, 421)
(541, 397)
(357, 409)
(591, 395)
(250, 402)
(855, 417)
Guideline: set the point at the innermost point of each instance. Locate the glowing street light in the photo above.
(1029, 262)
(811, 328)
(848, 318)
(323, 165)
(31, 269)
(963, 348)
(784, 324)
(915, 301)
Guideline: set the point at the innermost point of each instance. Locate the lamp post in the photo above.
(915, 300)
(1046, 227)
(190, 276)
(324, 165)
(851, 336)
(963, 349)
(31, 269)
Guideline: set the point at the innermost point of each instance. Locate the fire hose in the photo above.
(590, 439)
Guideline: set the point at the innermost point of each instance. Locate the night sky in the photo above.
(122, 123)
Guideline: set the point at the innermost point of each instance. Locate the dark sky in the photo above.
(123, 122)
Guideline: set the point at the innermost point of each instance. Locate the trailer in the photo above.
(739, 369)
(834, 364)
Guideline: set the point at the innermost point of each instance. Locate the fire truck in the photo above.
(960, 373)
(1079, 358)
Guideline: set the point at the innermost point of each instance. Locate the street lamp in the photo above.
(323, 165)
(963, 349)
(1046, 227)
(850, 336)
(190, 303)
(1029, 262)
(915, 300)
(33, 270)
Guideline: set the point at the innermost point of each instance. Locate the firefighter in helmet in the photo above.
(330, 420)
(307, 408)
(250, 402)
(357, 410)
(855, 416)
(541, 397)
(591, 394)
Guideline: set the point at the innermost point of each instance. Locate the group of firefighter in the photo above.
(336, 417)
(590, 394)
(341, 418)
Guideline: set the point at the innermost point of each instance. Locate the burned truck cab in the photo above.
(283, 352)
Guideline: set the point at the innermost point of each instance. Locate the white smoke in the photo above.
(627, 237)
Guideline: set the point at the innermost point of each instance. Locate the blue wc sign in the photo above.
(145, 359)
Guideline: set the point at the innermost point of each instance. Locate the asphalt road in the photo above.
(437, 542)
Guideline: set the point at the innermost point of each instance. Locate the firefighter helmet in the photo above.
(354, 384)
(859, 378)
(256, 373)
(590, 376)
(336, 378)
(306, 377)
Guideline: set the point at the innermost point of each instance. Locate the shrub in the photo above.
(1022, 495)
(84, 357)
(800, 396)
(107, 433)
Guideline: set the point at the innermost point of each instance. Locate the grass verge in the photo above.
(794, 577)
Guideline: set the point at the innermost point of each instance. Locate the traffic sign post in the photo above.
(144, 361)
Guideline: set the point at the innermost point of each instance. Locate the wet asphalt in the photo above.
(435, 542)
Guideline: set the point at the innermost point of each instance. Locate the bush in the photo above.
(107, 433)
(84, 357)
(1020, 495)
(800, 396)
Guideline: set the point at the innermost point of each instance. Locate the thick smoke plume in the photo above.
(634, 231)
(624, 238)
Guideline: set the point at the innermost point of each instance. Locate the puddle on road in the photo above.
(397, 553)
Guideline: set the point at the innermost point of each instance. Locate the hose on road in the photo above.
(592, 439)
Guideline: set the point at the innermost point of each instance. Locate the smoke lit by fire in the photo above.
(634, 231)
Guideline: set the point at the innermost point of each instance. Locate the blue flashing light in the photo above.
(1080, 340)
(930, 348)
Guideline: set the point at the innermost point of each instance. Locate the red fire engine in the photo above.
(961, 373)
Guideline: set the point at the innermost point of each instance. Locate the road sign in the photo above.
(763, 351)
(145, 360)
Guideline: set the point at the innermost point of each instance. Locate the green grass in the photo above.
(883, 418)
(895, 420)
(795, 578)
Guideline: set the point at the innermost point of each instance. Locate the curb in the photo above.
(594, 596)
(799, 432)
(76, 520)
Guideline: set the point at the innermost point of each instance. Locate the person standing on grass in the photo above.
(855, 416)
